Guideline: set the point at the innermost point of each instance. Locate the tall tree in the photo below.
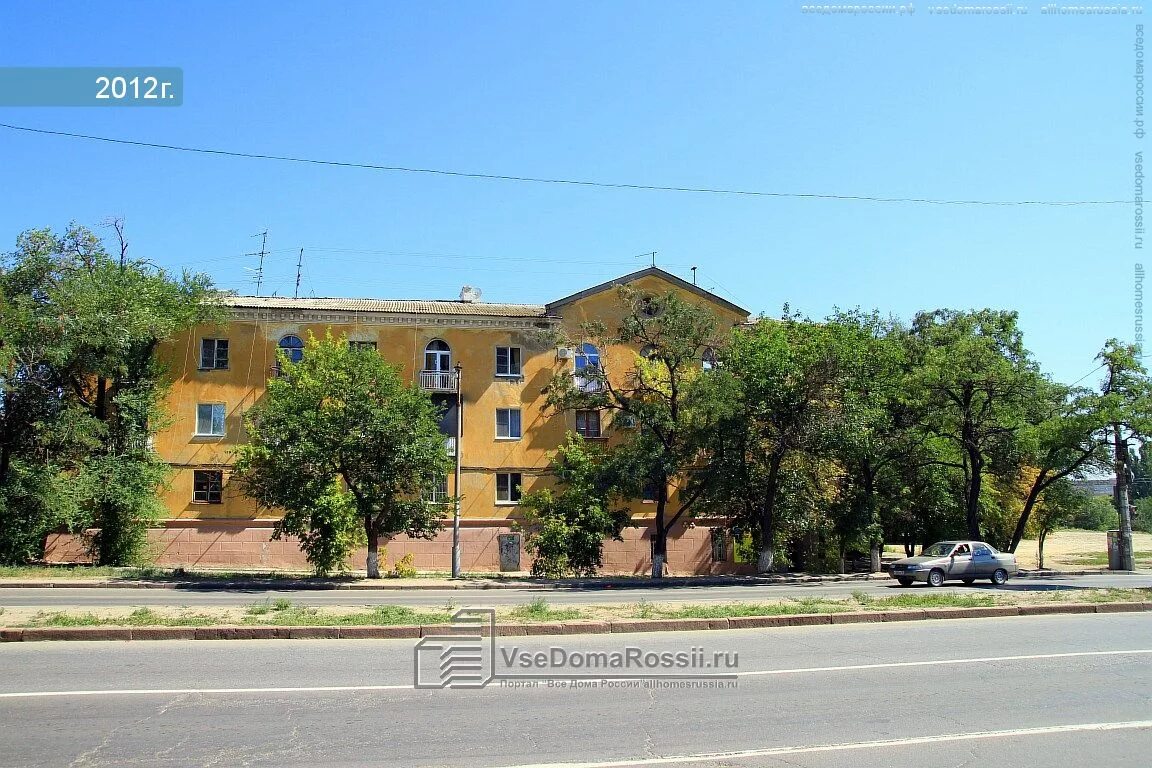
(973, 385)
(1126, 406)
(787, 378)
(1069, 439)
(341, 439)
(660, 390)
(80, 390)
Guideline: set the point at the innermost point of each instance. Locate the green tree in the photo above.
(80, 390)
(339, 441)
(1069, 439)
(784, 379)
(663, 392)
(566, 529)
(974, 387)
(1058, 505)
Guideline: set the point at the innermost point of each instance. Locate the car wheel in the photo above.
(969, 582)
(999, 576)
(936, 578)
(905, 582)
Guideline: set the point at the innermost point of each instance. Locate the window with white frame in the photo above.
(210, 419)
(438, 356)
(508, 487)
(207, 486)
(508, 361)
(437, 491)
(508, 423)
(588, 423)
(213, 354)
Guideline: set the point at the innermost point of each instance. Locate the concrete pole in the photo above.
(456, 488)
(1120, 446)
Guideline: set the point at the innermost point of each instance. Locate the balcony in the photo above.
(438, 381)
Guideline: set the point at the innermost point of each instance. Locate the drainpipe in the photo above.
(456, 488)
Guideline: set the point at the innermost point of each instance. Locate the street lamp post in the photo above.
(456, 489)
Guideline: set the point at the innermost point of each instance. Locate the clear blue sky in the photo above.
(753, 95)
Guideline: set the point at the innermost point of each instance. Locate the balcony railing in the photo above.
(438, 381)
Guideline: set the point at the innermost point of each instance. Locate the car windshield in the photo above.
(939, 549)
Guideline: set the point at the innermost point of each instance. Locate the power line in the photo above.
(571, 182)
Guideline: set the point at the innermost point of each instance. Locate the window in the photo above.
(210, 419)
(293, 347)
(207, 485)
(649, 352)
(651, 489)
(587, 357)
(508, 423)
(587, 360)
(649, 306)
(437, 492)
(624, 421)
(213, 354)
(362, 346)
(438, 356)
(719, 545)
(508, 487)
(508, 361)
(588, 423)
(708, 359)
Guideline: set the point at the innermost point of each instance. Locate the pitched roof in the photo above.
(398, 306)
(552, 306)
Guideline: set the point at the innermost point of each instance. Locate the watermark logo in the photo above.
(462, 658)
(469, 655)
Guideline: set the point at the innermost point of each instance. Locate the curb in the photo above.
(591, 627)
(670, 582)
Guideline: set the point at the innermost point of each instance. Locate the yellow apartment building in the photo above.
(505, 353)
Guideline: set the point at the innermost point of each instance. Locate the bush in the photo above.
(566, 532)
(403, 568)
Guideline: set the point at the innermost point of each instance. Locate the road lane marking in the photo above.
(750, 673)
(181, 691)
(851, 746)
(940, 662)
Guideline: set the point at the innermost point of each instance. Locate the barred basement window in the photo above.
(207, 485)
(719, 545)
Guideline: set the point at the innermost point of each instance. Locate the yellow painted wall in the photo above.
(252, 354)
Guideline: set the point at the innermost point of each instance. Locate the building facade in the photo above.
(506, 354)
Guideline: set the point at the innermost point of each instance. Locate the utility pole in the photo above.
(1120, 491)
(299, 264)
(456, 571)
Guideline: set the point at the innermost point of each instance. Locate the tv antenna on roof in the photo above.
(651, 255)
(263, 252)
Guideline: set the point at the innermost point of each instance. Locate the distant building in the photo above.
(1096, 486)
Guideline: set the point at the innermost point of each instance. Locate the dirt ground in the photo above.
(1081, 549)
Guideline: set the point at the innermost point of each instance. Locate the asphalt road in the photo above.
(63, 597)
(1046, 691)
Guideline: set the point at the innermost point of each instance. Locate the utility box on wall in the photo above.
(509, 544)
